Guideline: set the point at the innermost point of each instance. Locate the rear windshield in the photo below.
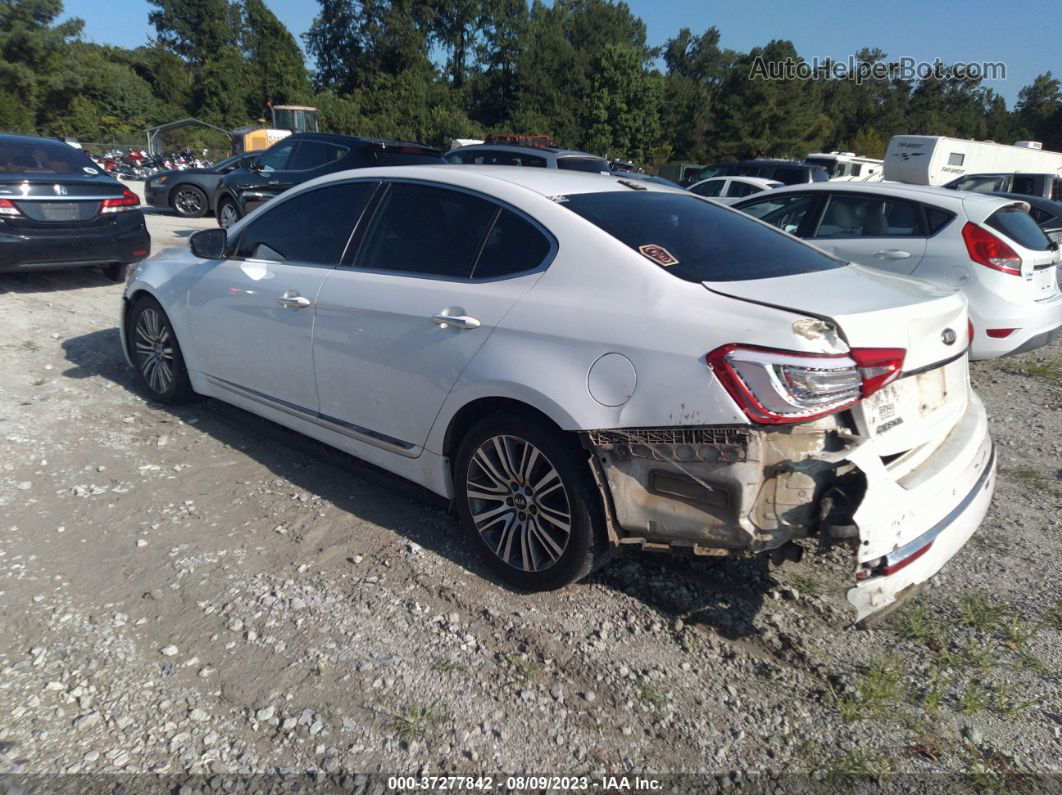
(594, 165)
(696, 240)
(42, 157)
(400, 156)
(1019, 226)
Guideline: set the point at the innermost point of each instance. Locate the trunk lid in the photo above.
(59, 199)
(872, 309)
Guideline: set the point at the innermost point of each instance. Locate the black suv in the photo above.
(788, 172)
(304, 156)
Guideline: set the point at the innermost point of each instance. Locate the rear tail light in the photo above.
(969, 325)
(986, 249)
(8, 208)
(776, 387)
(129, 201)
(999, 333)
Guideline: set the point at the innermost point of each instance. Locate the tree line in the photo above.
(581, 71)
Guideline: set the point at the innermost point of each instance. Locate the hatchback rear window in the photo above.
(1019, 226)
(594, 165)
(701, 241)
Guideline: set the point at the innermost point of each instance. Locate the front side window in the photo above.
(696, 240)
(313, 154)
(311, 228)
(862, 216)
(711, 187)
(276, 157)
(426, 230)
(785, 212)
(513, 246)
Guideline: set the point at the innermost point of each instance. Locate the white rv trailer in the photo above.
(848, 166)
(936, 159)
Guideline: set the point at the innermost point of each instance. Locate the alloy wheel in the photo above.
(518, 503)
(188, 201)
(228, 215)
(154, 350)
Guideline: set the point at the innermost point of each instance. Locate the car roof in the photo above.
(763, 182)
(525, 149)
(351, 140)
(1037, 201)
(897, 189)
(547, 182)
(36, 139)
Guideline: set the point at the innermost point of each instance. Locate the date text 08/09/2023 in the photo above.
(519, 783)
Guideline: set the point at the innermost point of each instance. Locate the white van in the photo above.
(848, 166)
(936, 159)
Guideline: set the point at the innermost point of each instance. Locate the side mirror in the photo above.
(209, 243)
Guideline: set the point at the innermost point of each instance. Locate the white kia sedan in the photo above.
(585, 364)
(988, 247)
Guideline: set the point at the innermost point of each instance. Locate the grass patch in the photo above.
(1004, 703)
(879, 690)
(1032, 478)
(918, 623)
(444, 666)
(977, 612)
(973, 699)
(651, 696)
(523, 669)
(30, 345)
(414, 722)
(808, 586)
(1048, 371)
(846, 768)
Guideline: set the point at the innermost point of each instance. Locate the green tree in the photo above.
(196, 30)
(277, 72)
(623, 107)
(32, 45)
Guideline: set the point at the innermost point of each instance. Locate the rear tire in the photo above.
(156, 354)
(189, 201)
(528, 503)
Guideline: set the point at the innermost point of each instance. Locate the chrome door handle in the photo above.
(892, 253)
(457, 321)
(293, 301)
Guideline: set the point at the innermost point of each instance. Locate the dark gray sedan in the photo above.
(191, 192)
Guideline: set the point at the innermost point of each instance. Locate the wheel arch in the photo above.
(472, 412)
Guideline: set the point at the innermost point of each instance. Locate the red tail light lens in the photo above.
(8, 208)
(129, 201)
(999, 333)
(986, 249)
(969, 324)
(776, 387)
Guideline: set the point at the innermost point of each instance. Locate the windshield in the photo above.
(696, 240)
(43, 157)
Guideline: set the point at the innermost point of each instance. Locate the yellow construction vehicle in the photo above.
(286, 119)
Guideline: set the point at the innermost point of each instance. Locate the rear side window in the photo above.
(595, 165)
(513, 246)
(741, 189)
(696, 240)
(313, 154)
(399, 155)
(858, 216)
(936, 219)
(710, 188)
(1019, 226)
(791, 176)
(311, 228)
(426, 230)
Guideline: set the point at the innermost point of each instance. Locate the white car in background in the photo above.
(727, 190)
(585, 364)
(986, 246)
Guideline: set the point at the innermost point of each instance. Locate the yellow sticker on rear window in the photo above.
(658, 254)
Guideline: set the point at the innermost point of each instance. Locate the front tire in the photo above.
(228, 213)
(527, 502)
(189, 201)
(156, 354)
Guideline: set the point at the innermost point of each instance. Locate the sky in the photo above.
(1025, 35)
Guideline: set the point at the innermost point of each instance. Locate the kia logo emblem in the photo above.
(948, 336)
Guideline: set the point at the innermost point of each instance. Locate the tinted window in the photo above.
(501, 158)
(711, 188)
(1056, 189)
(276, 157)
(936, 219)
(980, 184)
(42, 157)
(1019, 226)
(312, 227)
(594, 165)
(312, 154)
(859, 216)
(785, 212)
(512, 246)
(399, 155)
(791, 176)
(703, 241)
(741, 189)
(421, 229)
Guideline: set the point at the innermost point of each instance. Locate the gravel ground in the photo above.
(200, 591)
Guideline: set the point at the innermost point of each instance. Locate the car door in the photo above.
(252, 313)
(436, 269)
(872, 230)
(310, 159)
(709, 188)
(256, 184)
